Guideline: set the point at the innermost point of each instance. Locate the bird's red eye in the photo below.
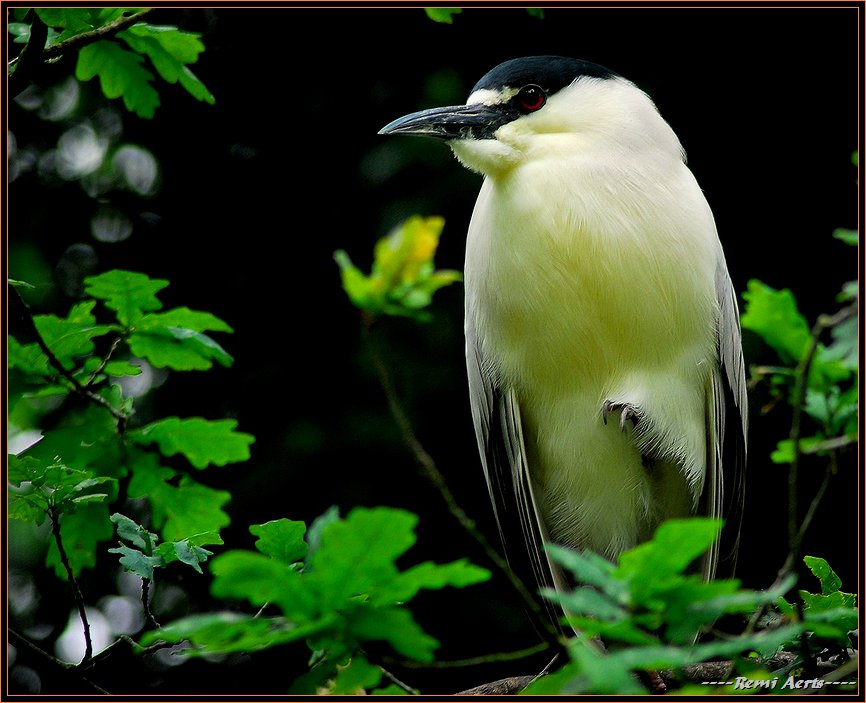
(530, 98)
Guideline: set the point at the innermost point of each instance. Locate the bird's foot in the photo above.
(627, 412)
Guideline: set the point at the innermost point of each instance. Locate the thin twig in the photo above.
(795, 531)
(145, 602)
(27, 318)
(475, 661)
(434, 476)
(103, 362)
(64, 666)
(77, 596)
(81, 40)
(397, 682)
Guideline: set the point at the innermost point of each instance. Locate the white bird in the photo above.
(603, 347)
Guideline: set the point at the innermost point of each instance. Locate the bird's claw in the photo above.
(627, 412)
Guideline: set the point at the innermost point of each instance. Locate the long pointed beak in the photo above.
(453, 122)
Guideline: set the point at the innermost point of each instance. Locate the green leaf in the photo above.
(774, 316)
(589, 568)
(180, 511)
(356, 677)
(358, 553)
(179, 349)
(121, 368)
(174, 339)
(675, 544)
(136, 561)
(282, 540)
(589, 672)
(128, 293)
(183, 317)
(586, 601)
(830, 581)
(120, 75)
(169, 49)
(185, 552)
(71, 337)
(202, 442)
(72, 20)
(135, 534)
(848, 236)
(256, 578)
(226, 632)
(395, 626)
(314, 534)
(405, 585)
(445, 15)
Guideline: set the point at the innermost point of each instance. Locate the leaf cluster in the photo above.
(829, 372)
(649, 610)
(336, 586)
(124, 61)
(829, 617)
(91, 447)
(403, 278)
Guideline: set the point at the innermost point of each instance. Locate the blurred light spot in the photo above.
(125, 615)
(129, 584)
(18, 440)
(19, 161)
(60, 101)
(70, 646)
(30, 98)
(46, 166)
(110, 225)
(79, 151)
(23, 597)
(23, 679)
(169, 601)
(137, 167)
(75, 264)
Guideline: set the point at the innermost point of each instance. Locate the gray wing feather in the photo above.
(727, 427)
(499, 431)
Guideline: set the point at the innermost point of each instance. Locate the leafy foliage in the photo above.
(648, 609)
(72, 473)
(120, 58)
(831, 388)
(147, 553)
(337, 592)
(403, 279)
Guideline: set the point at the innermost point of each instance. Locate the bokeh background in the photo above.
(242, 204)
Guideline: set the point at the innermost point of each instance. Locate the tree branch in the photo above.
(77, 596)
(55, 363)
(431, 472)
(79, 41)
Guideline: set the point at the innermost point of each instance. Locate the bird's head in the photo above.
(536, 106)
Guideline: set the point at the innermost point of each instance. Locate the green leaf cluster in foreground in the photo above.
(125, 62)
(648, 609)
(71, 474)
(830, 389)
(337, 589)
(403, 278)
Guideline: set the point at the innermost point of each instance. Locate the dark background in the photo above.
(257, 191)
